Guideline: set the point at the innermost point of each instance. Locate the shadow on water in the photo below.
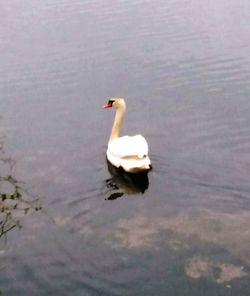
(14, 201)
(122, 183)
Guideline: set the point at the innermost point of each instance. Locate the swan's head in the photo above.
(117, 103)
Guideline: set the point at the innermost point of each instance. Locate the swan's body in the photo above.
(130, 153)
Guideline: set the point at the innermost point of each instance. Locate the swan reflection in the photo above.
(122, 183)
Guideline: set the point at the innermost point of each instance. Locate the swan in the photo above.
(129, 153)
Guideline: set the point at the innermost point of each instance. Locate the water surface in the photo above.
(77, 227)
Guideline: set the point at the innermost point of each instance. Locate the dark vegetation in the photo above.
(14, 201)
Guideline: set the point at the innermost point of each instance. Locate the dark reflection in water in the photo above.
(13, 205)
(122, 183)
(14, 202)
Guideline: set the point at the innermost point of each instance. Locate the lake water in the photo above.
(70, 224)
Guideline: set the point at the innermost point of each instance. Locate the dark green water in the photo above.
(70, 225)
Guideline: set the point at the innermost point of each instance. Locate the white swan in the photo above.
(130, 153)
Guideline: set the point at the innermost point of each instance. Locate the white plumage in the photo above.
(130, 153)
(129, 146)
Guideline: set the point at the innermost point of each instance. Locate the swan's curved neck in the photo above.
(120, 112)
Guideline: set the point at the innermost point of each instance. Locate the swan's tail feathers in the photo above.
(136, 165)
(130, 164)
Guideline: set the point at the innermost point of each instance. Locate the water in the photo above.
(70, 225)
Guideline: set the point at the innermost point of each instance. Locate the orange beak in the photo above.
(108, 105)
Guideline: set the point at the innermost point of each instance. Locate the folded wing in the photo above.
(126, 147)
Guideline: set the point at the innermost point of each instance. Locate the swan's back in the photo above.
(130, 153)
(129, 146)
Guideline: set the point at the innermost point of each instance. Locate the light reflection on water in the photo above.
(184, 71)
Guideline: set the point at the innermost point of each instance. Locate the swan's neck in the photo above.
(120, 112)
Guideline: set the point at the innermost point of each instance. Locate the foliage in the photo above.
(14, 201)
(13, 205)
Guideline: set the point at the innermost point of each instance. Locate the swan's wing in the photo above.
(129, 146)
